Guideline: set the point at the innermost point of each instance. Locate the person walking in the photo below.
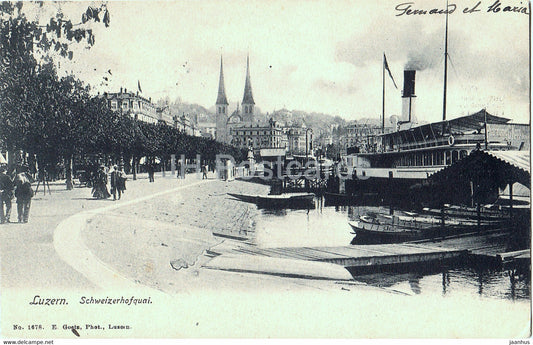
(150, 169)
(100, 184)
(204, 172)
(121, 180)
(6, 194)
(23, 193)
(118, 182)
(113, 179)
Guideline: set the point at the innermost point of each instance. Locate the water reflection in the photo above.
(414, 283)
(327, 226)
(445, 281)
(511, 285)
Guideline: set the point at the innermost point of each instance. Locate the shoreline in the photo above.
(164, 242)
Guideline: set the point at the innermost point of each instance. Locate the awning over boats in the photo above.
(519, 159)
(438, 133)
(503, 167)
(464, 124)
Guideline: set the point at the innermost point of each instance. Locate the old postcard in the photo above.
(265, 169)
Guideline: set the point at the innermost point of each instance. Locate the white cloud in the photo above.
(311, 55)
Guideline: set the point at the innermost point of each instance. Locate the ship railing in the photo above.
(442, 142)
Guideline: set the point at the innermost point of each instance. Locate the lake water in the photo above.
(328, 226)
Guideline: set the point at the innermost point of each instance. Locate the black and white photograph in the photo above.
(229, 169)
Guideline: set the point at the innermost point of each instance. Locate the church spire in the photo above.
(248, 98)
(221, 98)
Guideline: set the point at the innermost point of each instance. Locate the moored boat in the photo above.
(379, 228)
(467, 213)
(286, 200)
(339, 198)
(366, 233)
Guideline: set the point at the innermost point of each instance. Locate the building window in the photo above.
(113, 105)
(125, 105)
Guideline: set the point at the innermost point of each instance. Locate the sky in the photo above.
(315, 55)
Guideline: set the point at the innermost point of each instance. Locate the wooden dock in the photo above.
(289, 261)
(354, 256)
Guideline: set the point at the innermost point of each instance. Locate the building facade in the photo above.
(186, 125)
(164, 115)
(299, 139)
(136, 106)
(208, 129)
(269, 135)
(355, 135)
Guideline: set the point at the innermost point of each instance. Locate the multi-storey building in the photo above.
(355, 135)
(208, 129)
(186, 124)
(138, 107)
(299, 139)
(259, 136)
(164, 115)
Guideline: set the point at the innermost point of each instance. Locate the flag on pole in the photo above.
(140, 90)
(388, 70)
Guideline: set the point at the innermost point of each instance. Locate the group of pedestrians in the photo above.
(20, 186)
(180, 172)
(117, 179)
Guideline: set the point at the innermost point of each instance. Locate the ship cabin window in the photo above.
(455, 156)
(427, 160)
(439, 158)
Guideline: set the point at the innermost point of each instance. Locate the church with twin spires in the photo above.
(241, 128)
(243, 117)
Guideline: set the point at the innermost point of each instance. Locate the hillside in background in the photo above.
(321, 123)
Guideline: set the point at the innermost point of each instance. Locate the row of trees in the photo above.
(55, 118)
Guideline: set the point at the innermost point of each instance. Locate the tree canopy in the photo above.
(56, 118)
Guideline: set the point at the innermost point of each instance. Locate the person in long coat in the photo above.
(23, 193)
(100, 184)
(118, 182)
(121, 179)
(6, 194)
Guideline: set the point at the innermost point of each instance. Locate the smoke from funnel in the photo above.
(419, 61)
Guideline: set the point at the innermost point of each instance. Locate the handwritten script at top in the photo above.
(409, 9)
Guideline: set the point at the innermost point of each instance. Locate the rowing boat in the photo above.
(286, 200)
